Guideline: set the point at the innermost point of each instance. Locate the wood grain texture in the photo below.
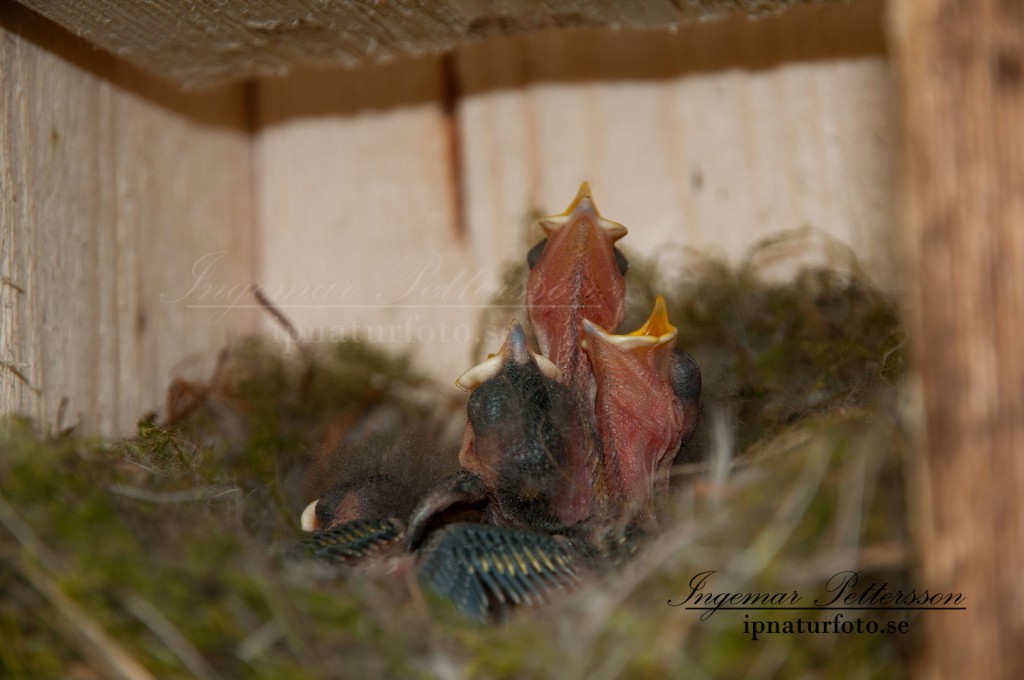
(199, 44)
(111, 186)
(359, 210)
(413, 182)
(709, 139)
(961, 67)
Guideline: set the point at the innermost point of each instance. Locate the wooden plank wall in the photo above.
(358, 207)
(424, 172)
(111, 187)
(385, 199)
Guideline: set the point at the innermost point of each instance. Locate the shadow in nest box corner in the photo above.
(563, 483)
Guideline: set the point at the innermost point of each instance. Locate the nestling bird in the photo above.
(522, 425)
(645, 405)
(564, 451)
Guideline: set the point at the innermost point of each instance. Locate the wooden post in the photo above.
(961, 66)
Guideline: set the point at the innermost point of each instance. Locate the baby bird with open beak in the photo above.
(576, 274)
(646, 408)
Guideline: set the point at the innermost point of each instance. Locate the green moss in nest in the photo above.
(163, 554)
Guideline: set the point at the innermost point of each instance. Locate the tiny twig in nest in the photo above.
(293, 333)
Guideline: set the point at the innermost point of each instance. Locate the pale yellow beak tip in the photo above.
(583, 193)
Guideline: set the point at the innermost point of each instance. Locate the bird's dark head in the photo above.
(375, 497)
(376, 477)
(520, 418)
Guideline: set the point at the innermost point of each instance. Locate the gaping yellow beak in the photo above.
(655, 332)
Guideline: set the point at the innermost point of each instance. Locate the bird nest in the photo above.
(172, 553)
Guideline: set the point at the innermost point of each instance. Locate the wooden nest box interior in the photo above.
(372, 167)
